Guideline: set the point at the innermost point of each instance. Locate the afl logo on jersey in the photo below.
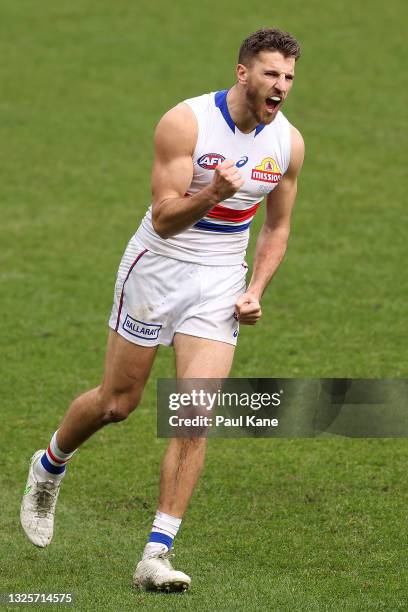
(210, 161)
(268, 171)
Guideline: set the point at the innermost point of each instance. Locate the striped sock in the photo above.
(164, 530)
(52, 464)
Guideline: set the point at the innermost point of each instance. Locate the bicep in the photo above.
(280, 202)
(174, 144)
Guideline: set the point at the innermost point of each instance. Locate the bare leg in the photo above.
(127, 368)
(184, 458)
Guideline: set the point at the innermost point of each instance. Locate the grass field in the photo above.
(282, 525)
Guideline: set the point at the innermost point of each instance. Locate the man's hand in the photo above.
(248, 309)
(226, 181)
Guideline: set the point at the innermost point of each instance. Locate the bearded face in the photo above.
(267, 81)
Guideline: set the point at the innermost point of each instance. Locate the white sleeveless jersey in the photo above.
(262, 156)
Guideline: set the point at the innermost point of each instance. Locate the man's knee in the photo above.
(118, 406)
(193, 443)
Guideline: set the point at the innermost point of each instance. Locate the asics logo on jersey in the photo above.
(209, 161)
(241, 162)
(268, 171)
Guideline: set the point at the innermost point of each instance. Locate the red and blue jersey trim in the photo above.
(219, 227)
(232, 214)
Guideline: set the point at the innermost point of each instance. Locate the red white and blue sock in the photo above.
(52, 464)
(164, 530)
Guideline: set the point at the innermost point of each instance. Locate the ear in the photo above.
(242, 74)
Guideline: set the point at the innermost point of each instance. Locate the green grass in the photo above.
(275, 524)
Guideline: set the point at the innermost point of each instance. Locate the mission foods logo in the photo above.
(210, 161)
(268, 171)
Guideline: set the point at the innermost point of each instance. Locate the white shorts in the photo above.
(157, 296)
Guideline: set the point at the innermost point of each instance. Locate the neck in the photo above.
(239, 111)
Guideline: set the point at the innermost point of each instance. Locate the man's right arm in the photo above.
(174, 144)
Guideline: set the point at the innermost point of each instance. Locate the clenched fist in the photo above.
(227, 180)
(248, 309)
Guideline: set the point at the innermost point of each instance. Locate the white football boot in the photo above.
(157, 574)
(38, 507)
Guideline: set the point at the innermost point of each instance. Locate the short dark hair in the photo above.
(268, 39)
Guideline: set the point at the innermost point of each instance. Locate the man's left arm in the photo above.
(273, 237)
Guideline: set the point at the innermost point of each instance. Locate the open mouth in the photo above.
(273, 102)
